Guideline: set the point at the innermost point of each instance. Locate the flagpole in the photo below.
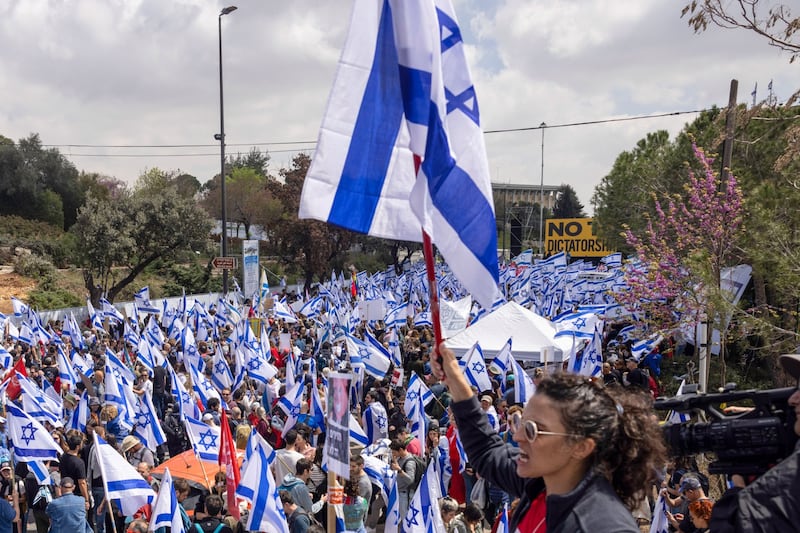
(15, 496)
(203, 469)
(427, 250)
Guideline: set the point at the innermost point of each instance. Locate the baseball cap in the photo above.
(689, 483)
(5, 465)
(486, 398)
(791, 364)
(207, 417)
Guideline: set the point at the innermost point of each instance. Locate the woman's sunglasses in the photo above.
(530, 429)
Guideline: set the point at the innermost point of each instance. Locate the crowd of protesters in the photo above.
(472, 503)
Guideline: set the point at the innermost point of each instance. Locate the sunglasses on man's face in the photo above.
(530, 430)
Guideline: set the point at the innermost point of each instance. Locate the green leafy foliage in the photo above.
(121, 238)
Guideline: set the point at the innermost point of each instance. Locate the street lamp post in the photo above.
(221, 137)
(541, 197)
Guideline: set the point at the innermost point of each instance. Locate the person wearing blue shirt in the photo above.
(68, 512)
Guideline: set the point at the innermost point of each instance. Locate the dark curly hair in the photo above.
(629, 444)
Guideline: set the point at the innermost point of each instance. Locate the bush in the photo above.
(53, 299)
(34, 266)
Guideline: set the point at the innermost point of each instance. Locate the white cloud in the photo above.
(146, 72)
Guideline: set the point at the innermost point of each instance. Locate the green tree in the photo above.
(310, 244)
(246, 195)
(186, 185)
(38, 184)
(255, 160)
(121, 237)
(567, 204)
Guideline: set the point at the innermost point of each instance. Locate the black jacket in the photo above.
(591, 506)
(770, 503)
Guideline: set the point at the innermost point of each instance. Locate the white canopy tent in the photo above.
(533, 336)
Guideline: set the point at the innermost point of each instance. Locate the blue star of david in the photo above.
(412, 521)
(381, 420)
(254, 364)
(185, 398)
(28, 433)
(363, 352)
(449, 30)
(465, 101)
(478, 367)
(580, 323)
(207, 440)
(207, 385)
(295, 411)
(221, 366)
(412, 395)
(116, 372)
(142, 420)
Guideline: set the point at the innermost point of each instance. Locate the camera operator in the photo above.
(772, 502)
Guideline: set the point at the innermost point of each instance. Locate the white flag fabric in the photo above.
(204, 438)
(37, 404)
(121, 480)
(375, 358)
(523, 385)
(290, 405)
(660, 523)
(259, 488)
(475, 369)
(166, 512)
(146, 425)
(142, 299)
(423, 511)
(402, 88)
(32, 442)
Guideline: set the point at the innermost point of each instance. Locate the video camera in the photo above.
(748, 443)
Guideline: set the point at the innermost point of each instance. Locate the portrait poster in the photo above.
(337, 438)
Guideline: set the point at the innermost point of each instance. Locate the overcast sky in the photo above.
(145, 72)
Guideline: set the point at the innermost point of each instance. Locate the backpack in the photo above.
(199, 529)
(420, 466)
(311, 518)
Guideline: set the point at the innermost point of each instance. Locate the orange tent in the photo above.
(198, 473)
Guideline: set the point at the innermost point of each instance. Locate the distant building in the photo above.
(513, 194)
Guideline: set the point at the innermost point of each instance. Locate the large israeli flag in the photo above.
(121, 480)
(32, 442)
(259, 488)
(403, 88)
(204, 438)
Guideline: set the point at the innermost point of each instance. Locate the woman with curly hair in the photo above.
(587, 454)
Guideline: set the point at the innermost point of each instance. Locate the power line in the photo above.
(284, 143)
(215, 154)
(592, 122)
(172, 145)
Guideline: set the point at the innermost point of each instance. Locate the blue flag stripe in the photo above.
(367, 162)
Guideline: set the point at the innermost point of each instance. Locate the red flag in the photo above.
(13, 390)
(227, 457)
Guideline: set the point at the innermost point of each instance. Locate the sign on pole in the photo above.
(224, 263)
